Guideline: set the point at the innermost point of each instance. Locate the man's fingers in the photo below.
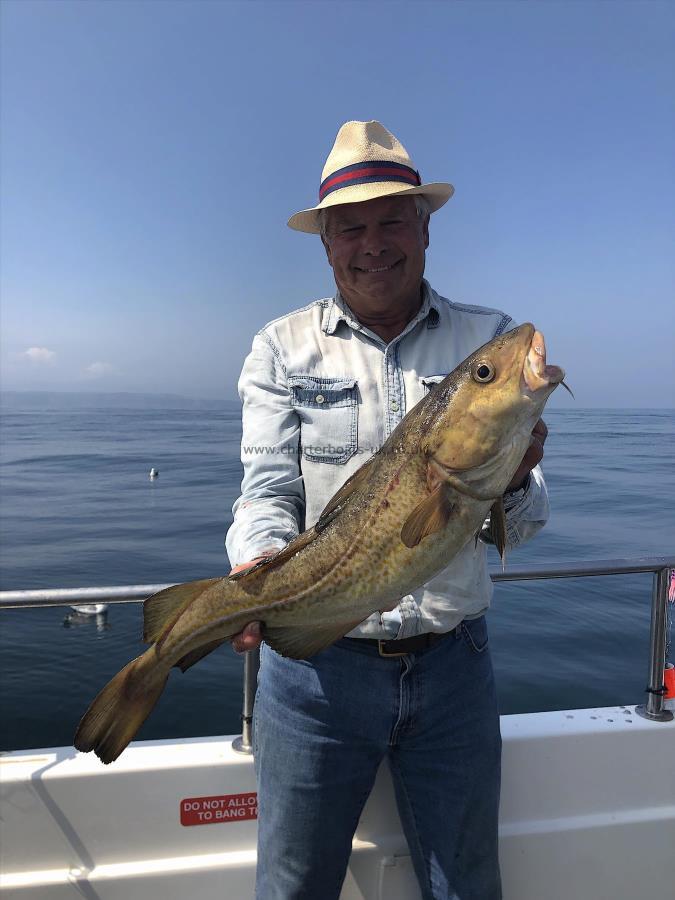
(540, 430)
(533, 456)
(249, 564)
(248, 639)
(534, 453)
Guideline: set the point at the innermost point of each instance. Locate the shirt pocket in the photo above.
(429, 382)
(328, 411)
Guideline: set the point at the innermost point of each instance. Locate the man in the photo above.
(322, 389)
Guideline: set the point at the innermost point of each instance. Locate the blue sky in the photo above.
(152, 152)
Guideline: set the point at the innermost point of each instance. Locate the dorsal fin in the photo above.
(338, 500)
(332, 509)
(273, 562)
(163, 606)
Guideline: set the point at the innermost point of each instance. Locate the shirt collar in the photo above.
(337, 311)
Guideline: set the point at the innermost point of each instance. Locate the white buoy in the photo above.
(153, 473)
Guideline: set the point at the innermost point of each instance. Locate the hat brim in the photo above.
(307, 220)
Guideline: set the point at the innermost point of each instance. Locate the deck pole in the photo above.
(653, 708)
(244, 743)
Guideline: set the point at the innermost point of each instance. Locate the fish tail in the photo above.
(120, 709)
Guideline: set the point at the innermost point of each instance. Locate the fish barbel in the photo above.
(397, 522)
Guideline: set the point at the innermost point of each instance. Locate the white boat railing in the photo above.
(660, 566)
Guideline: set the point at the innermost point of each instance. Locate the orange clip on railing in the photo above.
(669, 681)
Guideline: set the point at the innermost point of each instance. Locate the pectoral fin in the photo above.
(498, 527)
(301, 642)
(428, 517)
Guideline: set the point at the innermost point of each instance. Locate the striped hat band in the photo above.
(366, 173)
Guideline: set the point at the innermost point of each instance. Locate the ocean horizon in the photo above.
(29, 399)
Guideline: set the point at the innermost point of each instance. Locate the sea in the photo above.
(78, 509)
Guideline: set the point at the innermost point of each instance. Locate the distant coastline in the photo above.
(17, 400)
(10, 400)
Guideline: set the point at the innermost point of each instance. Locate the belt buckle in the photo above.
(383, 653)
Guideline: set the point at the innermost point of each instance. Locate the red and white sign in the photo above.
(224, 808)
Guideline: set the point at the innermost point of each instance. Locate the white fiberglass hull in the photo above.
(588, 813)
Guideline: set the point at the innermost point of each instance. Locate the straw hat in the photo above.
(366, 162)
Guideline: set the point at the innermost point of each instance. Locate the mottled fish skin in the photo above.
(396, 523)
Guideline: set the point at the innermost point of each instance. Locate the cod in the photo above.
(397, 522)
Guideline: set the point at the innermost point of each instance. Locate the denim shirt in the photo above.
(321, 393)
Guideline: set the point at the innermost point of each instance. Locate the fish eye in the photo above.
(483, 372)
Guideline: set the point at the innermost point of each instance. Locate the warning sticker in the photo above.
(224, 808)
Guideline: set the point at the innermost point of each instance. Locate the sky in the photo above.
(152, 152)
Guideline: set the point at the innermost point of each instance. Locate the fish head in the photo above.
(482, 415)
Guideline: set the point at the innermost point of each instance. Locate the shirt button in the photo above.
(319, 398)
(394, 406)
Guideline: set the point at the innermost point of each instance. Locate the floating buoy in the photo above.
(153, 473)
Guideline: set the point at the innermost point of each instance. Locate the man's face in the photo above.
(376, 250)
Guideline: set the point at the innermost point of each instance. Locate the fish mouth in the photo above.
(536, 374)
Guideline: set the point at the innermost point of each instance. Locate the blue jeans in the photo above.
(322, 728)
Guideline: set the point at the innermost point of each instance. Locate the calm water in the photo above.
(78, 509)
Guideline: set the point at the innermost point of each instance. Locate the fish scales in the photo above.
(395, 524)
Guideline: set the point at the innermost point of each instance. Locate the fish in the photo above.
(399, 520)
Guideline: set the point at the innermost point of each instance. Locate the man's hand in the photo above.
(248, 639)
(533, 456)
(251, 637)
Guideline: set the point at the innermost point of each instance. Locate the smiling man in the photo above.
(322, 389)
(377, 251)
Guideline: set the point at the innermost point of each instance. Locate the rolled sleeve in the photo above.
(270, 510)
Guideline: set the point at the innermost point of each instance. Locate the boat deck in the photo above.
(587, 813)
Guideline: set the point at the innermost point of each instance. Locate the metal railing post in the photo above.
(653, 708)
(244, 743)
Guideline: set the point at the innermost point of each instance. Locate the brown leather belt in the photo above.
(404, 646)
